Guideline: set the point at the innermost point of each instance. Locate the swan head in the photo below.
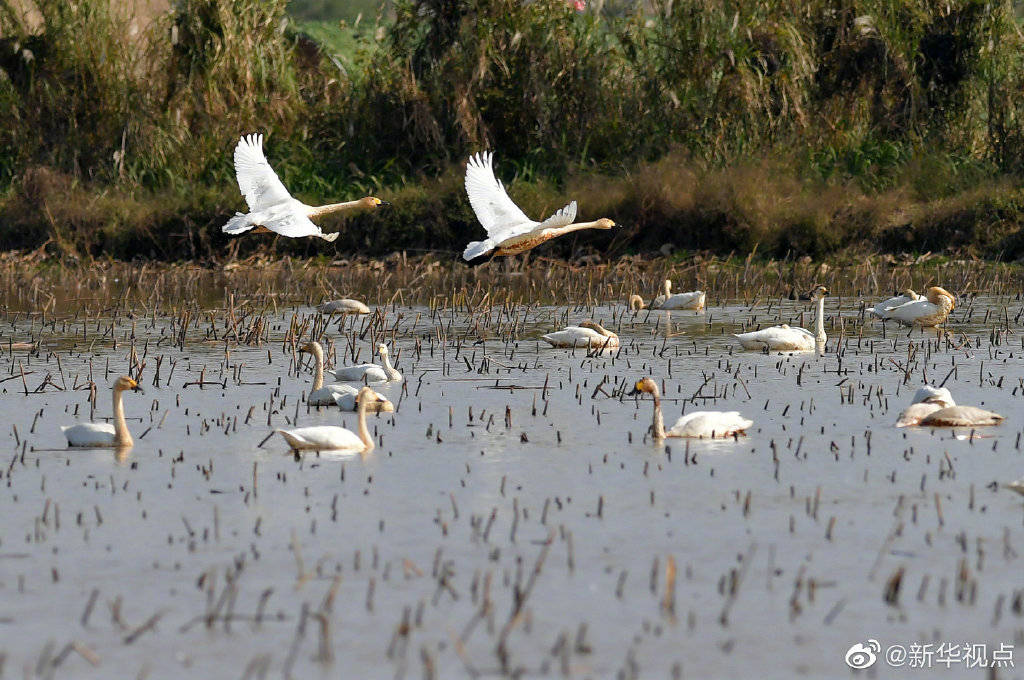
(818, 293)
(636, 302)
(312, 347)
(909, 293)
(382, 350)
(603, 223)
(374, 402)
(935, 295)
(645, 385)
(372, 202)
(125, 383)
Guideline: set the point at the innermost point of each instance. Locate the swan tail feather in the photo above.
(477, 248)
(238, 224)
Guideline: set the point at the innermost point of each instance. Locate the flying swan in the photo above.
(699, 424)
(345, 396)
(509, 231)
(587, 334)
(271, 207)
(332, 437)
(929, 311)
(105, 434)
(785, 338)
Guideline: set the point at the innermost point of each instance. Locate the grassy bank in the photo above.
(792, 128)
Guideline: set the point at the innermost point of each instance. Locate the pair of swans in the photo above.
(912, 309)
(588, 334)
(693, 300)
(101, 435)
(345, 397)
(271, 207)
(509, 230)
(786, 338)
(332, 437)
(698, 424)
(934, 407)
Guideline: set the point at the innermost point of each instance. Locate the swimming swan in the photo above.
(332, 437)
(924, 312)
(345, 396)
(961, 416)
(105, 434)
(509, 230)
(344, 305)
(699, 424)
(927, 400)
(693, 300)
(271, 207)
(786, 338)
(369, 372)
(587, 334)
(885, 306)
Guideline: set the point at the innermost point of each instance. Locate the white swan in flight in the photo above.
(345, 396)
(929, 311)
(699, 424)
(509, 231)
(369, 372)
(105, 434)
(332, 437)
(587, 334)
(927, 400)
(785, 338)
(271, 207)
(692, 300)
(885, 306)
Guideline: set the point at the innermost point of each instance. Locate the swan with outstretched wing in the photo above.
(509, 230)
(271, 207)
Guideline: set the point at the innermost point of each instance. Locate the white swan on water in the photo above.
(271, 207)
(509, 230)
(369, 372)
(927, 400)
(332, 437)
(105, 434)
(345, 396)
(587, 334)
(786, 338)
(698, 424)
(692, 300)
(343, 306)
(885, 306)
(929, 311)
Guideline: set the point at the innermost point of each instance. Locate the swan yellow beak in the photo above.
(136, 387)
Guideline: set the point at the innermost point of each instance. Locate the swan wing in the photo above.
(561, 218)
(710, 424)
(500, 217)
(259, 183)
(291, 223)
(89, 434)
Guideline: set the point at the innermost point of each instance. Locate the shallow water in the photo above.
(527, 478)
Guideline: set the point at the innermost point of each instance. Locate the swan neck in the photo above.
(558, 231)
(390, 370)
(122, 437)
(364, 432)
(819, 320)
(316, 211)
(658, 423)
(318, 377)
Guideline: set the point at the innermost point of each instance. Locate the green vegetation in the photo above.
(790, 127)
